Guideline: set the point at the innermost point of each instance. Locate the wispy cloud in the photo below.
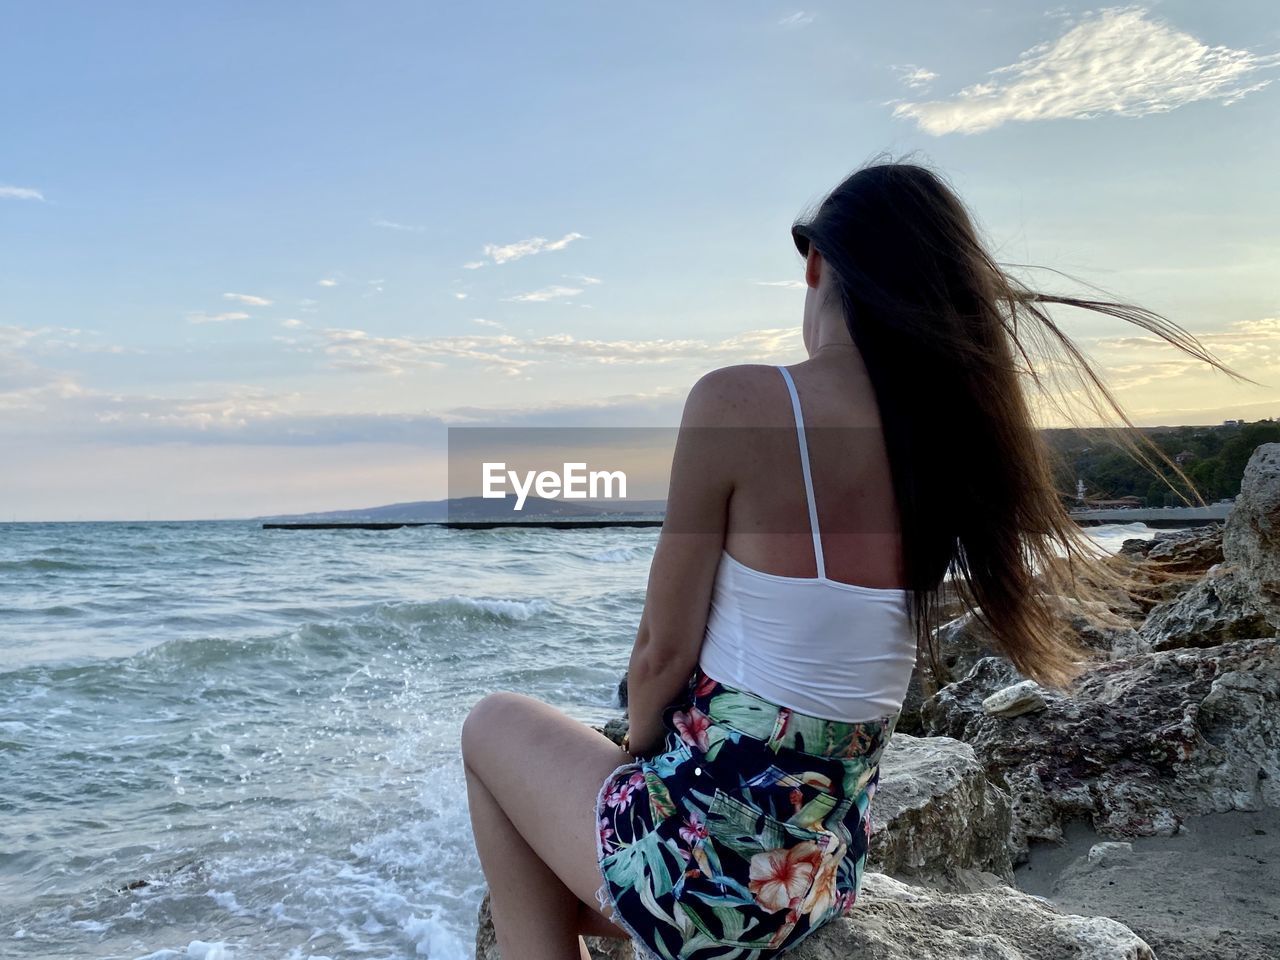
(459, 295)
(506, 252)
(202, 317)
(473, 265)
(19, 193)
(392, 225)
(482, 322)
(327, 282)
(787, 284)
(1251, 347)
(511, 355)
(589, 281)
(914, 77)
(248, 299)
(1118, 61)
(554, 292)
(798, 19)
(293, 323)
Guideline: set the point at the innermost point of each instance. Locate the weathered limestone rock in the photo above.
(615, 729)
(1110, 852)
(1023, 697)
(1251, 539)
(962, 642)
(1141, 743)
(1217, 608)
(1194, 550)
(986, 677)
(965, 640)
(895, 921)
(1239, 597)
(935, 814)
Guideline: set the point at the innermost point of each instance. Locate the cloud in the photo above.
(392, 225)
(292, 323)
(554, 292)
(1246, 334)
(511, 355)
(327, 282)
(505, 253)
(459, 295)
(1251, 347)
(1117, 61)
(797, 19)
(217, 317)
(482, 322)
(19, 193)
(917, 78)
(788, 284)
(473, 265)
(248, 299)
(589, 281)
(27, 386)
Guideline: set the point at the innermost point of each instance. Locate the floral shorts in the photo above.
(750, 830)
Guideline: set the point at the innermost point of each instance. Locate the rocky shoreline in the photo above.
(1140, 815)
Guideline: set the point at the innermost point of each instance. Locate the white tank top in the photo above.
(819, 646)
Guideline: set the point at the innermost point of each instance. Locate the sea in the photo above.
(221, 742)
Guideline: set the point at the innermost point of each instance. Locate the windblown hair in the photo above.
(959, 351)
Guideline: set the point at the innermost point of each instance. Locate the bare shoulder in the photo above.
(734, 394)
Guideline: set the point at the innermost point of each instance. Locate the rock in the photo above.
(622, 692)
(487, 941)
(1110, 852)
(1106, 627)
(616, 729)
(895, 921)
(1141, 743)
(962, 642)
(1217, 608)
(1135, 547)
(965, 640)
(984, 678)
(1194, 550)
(1023, 697)
(1251, 538)
(935, 815)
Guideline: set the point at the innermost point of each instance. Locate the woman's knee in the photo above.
(493, 713)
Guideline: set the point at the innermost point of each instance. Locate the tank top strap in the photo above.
(808, 474)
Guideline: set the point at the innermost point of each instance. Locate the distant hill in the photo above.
(1212, 457)
(478, 508)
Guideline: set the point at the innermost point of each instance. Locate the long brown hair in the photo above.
(957, 350)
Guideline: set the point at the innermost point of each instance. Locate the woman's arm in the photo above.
(684, 564)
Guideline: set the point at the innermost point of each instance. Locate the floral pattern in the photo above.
(747, 833)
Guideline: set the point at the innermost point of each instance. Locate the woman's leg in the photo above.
(533, 775)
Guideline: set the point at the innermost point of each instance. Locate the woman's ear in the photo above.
(813, 267)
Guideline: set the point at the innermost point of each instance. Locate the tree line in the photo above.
(1213, 459)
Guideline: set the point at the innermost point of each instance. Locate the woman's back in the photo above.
(782, 624)
(768, 522)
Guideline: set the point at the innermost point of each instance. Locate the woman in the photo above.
(814, 511)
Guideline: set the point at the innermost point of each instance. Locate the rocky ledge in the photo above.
(1140, 811)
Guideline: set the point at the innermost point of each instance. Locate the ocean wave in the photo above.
(1137, 528)
(459, 607)
(44, 565)
(620, 554)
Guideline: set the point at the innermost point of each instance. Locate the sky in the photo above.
(258, 258)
